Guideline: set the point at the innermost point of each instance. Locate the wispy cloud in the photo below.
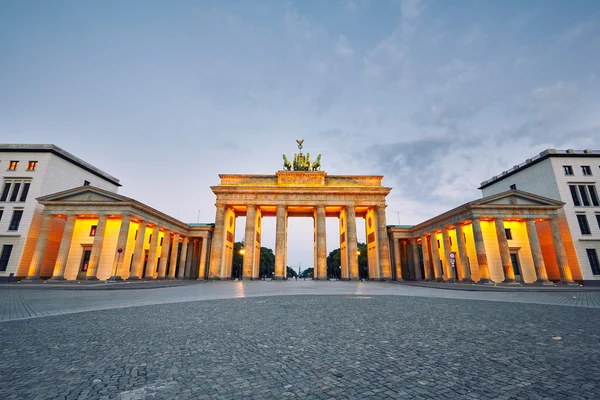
(343, 48)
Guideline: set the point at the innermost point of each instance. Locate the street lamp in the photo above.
(241, 252)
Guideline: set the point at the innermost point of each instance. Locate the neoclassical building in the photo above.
(92, 233)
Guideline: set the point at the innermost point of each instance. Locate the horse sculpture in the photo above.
(317, 164)
(286, 164)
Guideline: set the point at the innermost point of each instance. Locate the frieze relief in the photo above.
(292, 198)
(316, 178)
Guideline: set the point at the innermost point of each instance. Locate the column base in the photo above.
(438, 280)
(57, 278)
(32, 278)
(91, 278)
(563, 283)
(485, 281)
(133, 278)
(543, 282)
(148, 278)
(510, 280)
(116, 278)
(466, 280)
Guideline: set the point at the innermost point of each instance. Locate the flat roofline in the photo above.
(57, 151)
(538, 158)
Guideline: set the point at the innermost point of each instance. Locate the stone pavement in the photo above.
(315, 340)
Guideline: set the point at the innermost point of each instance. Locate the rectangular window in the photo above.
(2, 212)
(31, 166)
(508, 233)
(93, 230)
(438, 243)
(583, 224)
(568, 169)
(597, 218)
(586, 170)
(16, 220)
(584, 196)
(15, 191)
(24, 191)
(5, 256)
(161, 240)
(86, 183)
(592, 257)
(150, 239)
(513, 187)
(136, 232)
(12, 165)
(593, 195)
(5, 191)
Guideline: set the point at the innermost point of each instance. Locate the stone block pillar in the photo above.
(462, 255)
(202, 266)
(536, 252)
(249, 242)
(383, 245)
(218, 243)
(97, 248)
(164, 255)
(484, 269)
(65, 247)
(416, 260)
(191, 255)
(435, 254)
(561, 255)
(427, 267)
(152, 254)
(507, 268)
(183, 258)
(351, 242)
(280, 267)
(40, 248)
(117, 267)
(174, 251)
(396, 247)
(138, 252)
(321, 272)
(447, 251)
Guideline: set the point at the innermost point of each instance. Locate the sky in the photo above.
(437, 96)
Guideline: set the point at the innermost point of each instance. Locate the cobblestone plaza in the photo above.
(297, 339)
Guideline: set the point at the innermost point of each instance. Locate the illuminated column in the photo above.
(190, 258)
(174, 251)
(280, 268)
(216, 253)
(65, 247)
(447, 251)
(164, 255)
(117, 266)
(321, 244)
(484, 269)
(351, 242)
(559, 249)
(385, 269)
(138, 252)
(202, 267)
(509, 275)
(249, 242)
(182, 258)
(536, 252)
(435, 254)
(397, 260)
(97, 248)
(426, 260)
(416, 260)
(152, 254)
(40, 248)
(462, 254)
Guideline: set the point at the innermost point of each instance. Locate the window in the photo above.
(5, 256)
(24, 191)
(584, 196)
(574, 195)
(150, 239)
(593, 195)
(136, 232)
(591, 253)
(568, 169)
(450, 239)
(586, 170)
(15, 191)
(16, 220)
(438, 243)
(583, 224)
(508, 233)
(31, 165)
(2, 212)
(12, 165)
(86, 183)
(93, 230)
(513, 187)
(5, 191)
(597, 218)
(161, 240)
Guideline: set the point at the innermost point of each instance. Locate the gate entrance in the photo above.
(301, 189)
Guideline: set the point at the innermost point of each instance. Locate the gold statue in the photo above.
(286, 164)
(317, 164)
(301, 162)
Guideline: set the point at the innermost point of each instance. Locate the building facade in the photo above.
(569, 176)
(28, 172)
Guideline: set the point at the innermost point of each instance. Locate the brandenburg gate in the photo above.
(301, 189)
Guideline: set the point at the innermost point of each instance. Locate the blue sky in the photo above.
(437, 96)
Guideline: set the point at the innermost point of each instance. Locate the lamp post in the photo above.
(241, 252)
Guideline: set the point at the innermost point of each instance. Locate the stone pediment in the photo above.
(516, 198)
(84, 194)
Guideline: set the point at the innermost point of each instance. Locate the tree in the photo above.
(291, 273)
(363, 261)
(307, 273)
(238, 260)
(333, 264)
(267, 262)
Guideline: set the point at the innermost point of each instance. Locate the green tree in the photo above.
(291, 273)
(307, 273)
(333, 264)
(267, 262)
(363, 261)
(238, 260)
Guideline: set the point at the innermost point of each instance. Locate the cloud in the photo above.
(471, 37)
(575, 32)
(343, 48)
(411, 9)
(353, 6)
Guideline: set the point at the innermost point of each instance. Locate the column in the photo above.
(216, 253)
(509, 275)
(383, 244)
(321, 272)
(426, 260)
(561, 255)
(462, 254)
(152, 254)
(447, 251)
(351, 242)
(484, 269)
(397, 259)
(249, 242)
(65, 247)
(280, 268)
(202, 267)
(435, 254)
(536, 252)
(40, 248)
(173, 261)
(416, 259)
(97, 248)
(138, 252)
(190, 259)
(117, 266)
(182, 258)
(164, 255)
